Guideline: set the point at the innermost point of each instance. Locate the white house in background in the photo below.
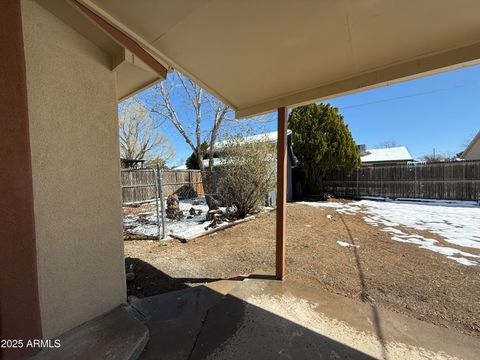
(388, 156)
(265, 137)
(472, 152)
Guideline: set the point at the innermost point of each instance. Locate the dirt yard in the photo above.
(400, 276)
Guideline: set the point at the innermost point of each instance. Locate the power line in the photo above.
(407, 96)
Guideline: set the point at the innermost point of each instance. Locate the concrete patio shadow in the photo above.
(236, 329)
(200, 323)
(257, 317)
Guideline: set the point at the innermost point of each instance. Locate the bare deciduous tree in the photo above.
(438, 157)
(139, 139)
(387, 144)
(196, 115)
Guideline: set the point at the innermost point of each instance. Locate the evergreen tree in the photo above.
(192, 160)
(322, 143)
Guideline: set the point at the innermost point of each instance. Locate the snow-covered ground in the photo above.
(186, 227)
(458, 223)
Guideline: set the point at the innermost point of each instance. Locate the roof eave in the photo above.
(156, 53)
(395, 73)
(471, 145)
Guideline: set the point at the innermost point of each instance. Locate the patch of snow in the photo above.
(185, 227)
(379, 198)
(341, 208)
(145, 229)
(346, 244)
(456, 222)
(130, 220)
(463, 261)
(457, 225)
(455, 203)
(322, 204)
(392, 230)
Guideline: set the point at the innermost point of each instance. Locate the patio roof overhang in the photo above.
(135, 68)
(261, 56)
(258, 56)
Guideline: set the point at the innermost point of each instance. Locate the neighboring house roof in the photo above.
(131, 163)
(265, 137)
(270, 136)
(399, 153)
(472, 152)
(216, 162)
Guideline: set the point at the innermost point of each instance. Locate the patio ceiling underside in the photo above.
(261, 55)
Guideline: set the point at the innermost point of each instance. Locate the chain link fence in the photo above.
(141, 188)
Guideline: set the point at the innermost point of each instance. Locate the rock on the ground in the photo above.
(131, 298)
(213, 214)
(130, 276)
(173, 208)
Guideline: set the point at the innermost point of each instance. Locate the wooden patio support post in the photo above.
(281, 193)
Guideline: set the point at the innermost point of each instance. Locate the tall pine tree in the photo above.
(322, 143)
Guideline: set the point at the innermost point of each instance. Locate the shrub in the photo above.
(246, 175)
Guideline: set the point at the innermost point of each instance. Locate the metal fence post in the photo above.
(415, 183)
(156, 200)
(358, 170)
(162, 201)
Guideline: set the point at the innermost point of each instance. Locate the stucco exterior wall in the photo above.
(76, 177)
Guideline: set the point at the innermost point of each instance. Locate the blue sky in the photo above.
(440, 111)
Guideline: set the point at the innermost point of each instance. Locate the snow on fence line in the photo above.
(459, 180)
(139, 184)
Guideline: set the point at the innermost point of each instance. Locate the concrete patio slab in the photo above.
(223, 286)
(174, 320)
(115, 335)
(268, 319)
(271, 319)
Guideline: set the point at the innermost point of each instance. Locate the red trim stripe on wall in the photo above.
(19, 301)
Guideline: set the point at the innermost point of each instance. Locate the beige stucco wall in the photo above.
(76, 178)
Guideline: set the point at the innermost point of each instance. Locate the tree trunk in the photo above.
(209, 189)
(207, 182)
(314, 180)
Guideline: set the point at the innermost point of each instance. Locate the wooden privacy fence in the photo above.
(140, 184)
(458, 180)
(176, 180)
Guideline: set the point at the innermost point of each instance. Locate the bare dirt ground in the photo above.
(398, 276)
